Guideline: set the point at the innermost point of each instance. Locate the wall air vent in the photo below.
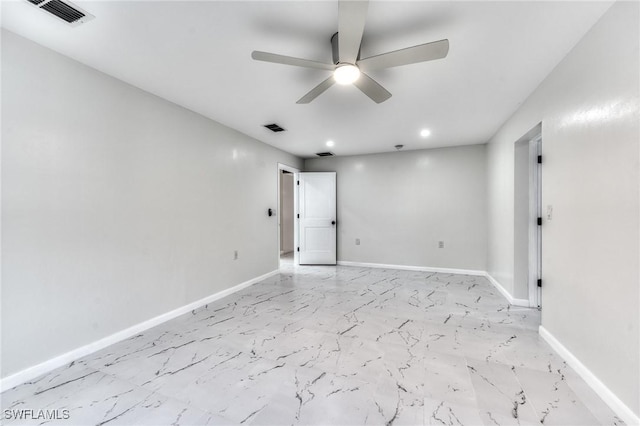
(68, 12)
(325, 154)
(274, 127)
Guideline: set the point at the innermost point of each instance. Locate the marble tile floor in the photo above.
(330, 346)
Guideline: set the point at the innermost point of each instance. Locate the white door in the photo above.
(317, 222)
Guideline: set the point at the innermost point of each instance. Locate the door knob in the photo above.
(333, 222)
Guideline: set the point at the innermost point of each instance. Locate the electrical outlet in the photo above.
(357, 241)
(440, 244)
(235, 255)
(549, 212)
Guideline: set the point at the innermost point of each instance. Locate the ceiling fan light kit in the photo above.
(348, 68)
(346, 74)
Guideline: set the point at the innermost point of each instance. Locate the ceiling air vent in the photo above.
(274, 127)
(68, 12)
(325, 154)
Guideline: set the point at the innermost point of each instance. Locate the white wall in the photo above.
(401, 204)
(117, 206)
(589, 108)
(286, 212)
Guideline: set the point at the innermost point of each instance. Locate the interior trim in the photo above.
(610, 398)
(414, 268)
(506, 294)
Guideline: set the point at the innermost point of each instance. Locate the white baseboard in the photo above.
(64, 359)
(505, 293)
(413, 268)
(618, 407)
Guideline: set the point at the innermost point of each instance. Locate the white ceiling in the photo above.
(197, 54)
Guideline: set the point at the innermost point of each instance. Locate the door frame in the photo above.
(294, 171)
(535, 230)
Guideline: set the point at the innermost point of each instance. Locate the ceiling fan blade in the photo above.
(372, 89)
(351, 19)
(410, 55)
(288, 60)
(316, 91)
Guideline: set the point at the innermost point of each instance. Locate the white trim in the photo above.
(44, 367)
(294, 171)
(296, 220)
(535, 212)
(291, 169)
(505, 293)
(610, 398)
(413, 268)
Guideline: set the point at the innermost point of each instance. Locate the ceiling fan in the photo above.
(347, 66)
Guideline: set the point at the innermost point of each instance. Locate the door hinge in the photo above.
(298, 183)
(539, 221)
(298, 248)
(539, 159)
(298, 216)
(539, 282)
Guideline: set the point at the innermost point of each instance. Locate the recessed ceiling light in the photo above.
(346, 74)
(425, 133)
(330, 143)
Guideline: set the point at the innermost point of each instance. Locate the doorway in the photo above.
(286, 214)
(528, 219)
